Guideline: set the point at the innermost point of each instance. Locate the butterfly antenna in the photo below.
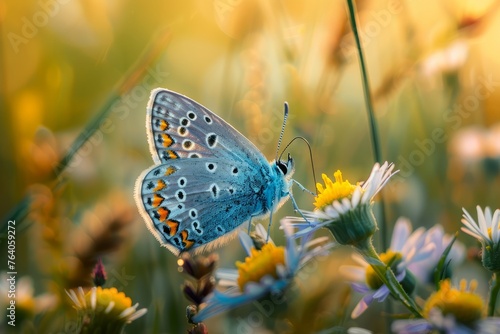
(310, 158)
(285, 116)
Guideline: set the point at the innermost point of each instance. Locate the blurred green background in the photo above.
(435, 77)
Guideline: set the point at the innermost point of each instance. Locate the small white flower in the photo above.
(446, 60)
(436, 322)
(362, 194)
(25, 299)
(338, 199)
(423, 270)
(108, 304)
(406, 249)
(486, 230)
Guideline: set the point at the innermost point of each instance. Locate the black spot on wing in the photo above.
(211, 140)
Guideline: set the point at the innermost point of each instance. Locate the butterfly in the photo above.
(208, 179)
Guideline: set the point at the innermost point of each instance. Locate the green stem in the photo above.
(495, 288)
(366, 83)
(386, 275)
(369, 108)
(86, 134)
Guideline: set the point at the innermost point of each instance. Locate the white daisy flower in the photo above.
(424, 270)
(451, 310)
(104, 310)
(487, 232)
(345, 209)
(406, 249)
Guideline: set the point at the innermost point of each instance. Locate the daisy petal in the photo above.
(361, 306)
(482, 220)
(246, 242)
(402, 229)
(495, 227)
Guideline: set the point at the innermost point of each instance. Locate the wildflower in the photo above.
(346, 209)
(474, 155)
(451, 310)
(196, 292)
(406, 249)
(99, 274)
(197, 267)
(101, 231)
(447, 60)
(27, 304)
(464, 304)
(488, 233)
(269, 270)
(199, 284)
(424, 270)
(200, 270)
(104, 310)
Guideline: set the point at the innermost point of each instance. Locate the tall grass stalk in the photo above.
(369, 108)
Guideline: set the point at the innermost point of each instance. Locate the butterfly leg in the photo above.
(249, 225)
(296, 208)
(269, 226)
(302, 187)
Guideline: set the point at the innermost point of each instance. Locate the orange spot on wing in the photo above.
(163, 212)
(157, 200)
(163, 125)
(170, 170)
(173, 225)
(160, 185)
(172, 154)
(187, 243)
(167, 140)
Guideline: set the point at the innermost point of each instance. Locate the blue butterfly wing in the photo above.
(208, 178)
(179, 127)
(190, 203)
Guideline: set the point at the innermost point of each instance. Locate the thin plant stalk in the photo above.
(387, 276)
(373, 125)
(369, 108)
(495, 289)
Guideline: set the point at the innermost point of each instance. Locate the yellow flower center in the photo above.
(259, 264)
(26, 303)
(490, 231)
(332, 190)
(391, 259)
(105, 296)
(25, 309)
(465, 306)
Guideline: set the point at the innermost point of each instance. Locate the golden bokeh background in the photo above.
(435, 79)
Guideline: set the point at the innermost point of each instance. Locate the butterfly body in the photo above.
(208, 178)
